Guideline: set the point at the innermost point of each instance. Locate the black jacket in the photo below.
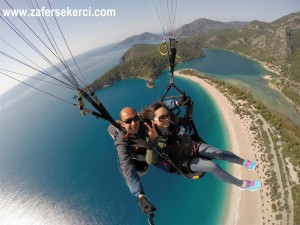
(128, 155)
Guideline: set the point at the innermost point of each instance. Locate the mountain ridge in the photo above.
(276, 44)
(200, 26)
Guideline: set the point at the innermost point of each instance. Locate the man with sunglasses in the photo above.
(132, 159)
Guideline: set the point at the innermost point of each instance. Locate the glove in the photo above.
(146, 205)
(185, 100)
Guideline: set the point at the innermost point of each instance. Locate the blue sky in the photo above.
(131, 17)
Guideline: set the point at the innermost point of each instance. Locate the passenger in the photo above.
(165, 130)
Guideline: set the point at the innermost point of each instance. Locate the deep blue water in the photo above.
(60, 168)
(68, 164)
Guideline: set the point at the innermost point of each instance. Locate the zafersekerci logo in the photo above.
(70, 12)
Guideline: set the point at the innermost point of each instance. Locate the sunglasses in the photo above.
(161, 118)
(129, 121)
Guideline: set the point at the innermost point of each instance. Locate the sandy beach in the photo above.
(244, 207)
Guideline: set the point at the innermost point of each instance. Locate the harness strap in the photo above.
(172, 57)
(127, 135)
(92, 93)
(85, 110)
(165, 157)
(81, 103)
(94, 101)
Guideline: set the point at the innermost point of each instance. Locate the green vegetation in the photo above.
(276, 44)
(142, 61)
(145, 62)
(296, 196)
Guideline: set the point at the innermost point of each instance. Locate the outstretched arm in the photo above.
(127, 166)
(128, 169)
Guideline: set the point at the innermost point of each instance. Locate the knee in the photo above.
(203, 165)
(212, 165)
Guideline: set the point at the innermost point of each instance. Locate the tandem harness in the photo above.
(184, 170)
(138, 152)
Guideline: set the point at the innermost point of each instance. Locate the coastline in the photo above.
(240, 208)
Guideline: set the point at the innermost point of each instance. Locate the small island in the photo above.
(150, 84)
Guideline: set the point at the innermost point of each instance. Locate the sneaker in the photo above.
(251, 185)
(250, 165)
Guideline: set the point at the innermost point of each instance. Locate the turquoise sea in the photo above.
(245, 73)
(57, 167)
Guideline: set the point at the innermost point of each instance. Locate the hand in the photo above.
(185, 100)
(146, 205)
(152, 133)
